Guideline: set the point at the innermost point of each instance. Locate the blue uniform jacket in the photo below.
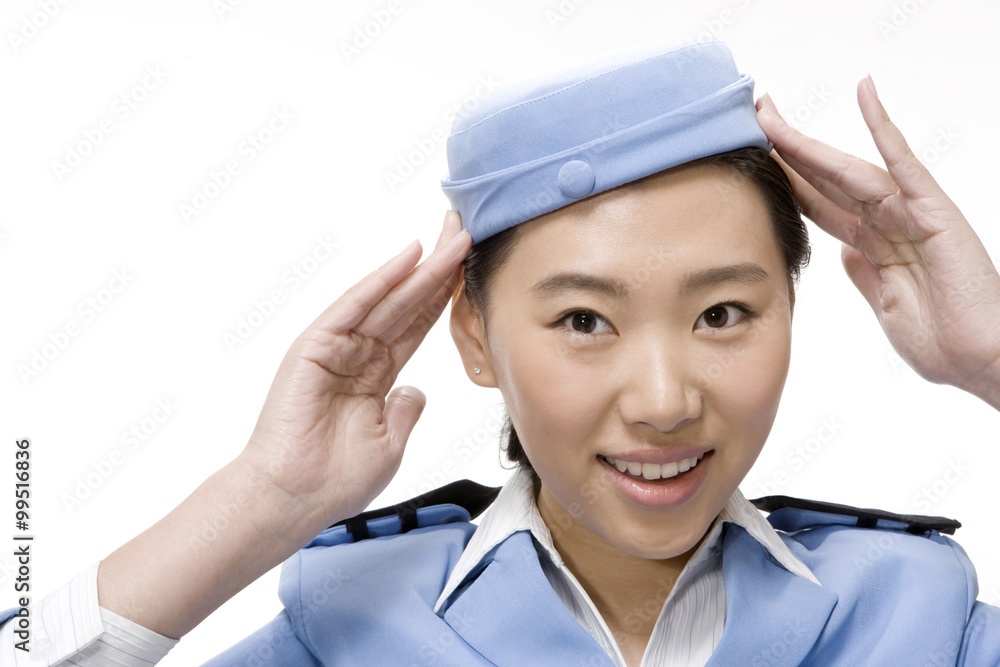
(888, 597)
(891, 593)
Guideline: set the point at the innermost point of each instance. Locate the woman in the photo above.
(640, 403)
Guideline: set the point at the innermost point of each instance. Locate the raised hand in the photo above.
(906, 247)
(331, 434)
(329, 438)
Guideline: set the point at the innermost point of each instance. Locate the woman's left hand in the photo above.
(906, 247)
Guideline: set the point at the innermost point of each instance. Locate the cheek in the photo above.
(552, 397)
(748, 389)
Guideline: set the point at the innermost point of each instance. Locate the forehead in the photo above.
(696, 215)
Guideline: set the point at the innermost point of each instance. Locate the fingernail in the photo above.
(774, 107)
(871, 85)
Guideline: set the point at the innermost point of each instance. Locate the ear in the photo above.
(469, 334)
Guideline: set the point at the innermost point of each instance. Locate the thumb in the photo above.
(403, 407)
(864, 276)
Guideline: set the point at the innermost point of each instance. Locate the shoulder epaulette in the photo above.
(917, 524)
(472, 497)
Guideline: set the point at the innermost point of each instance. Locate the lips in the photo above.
(662, 478)
(654, 471)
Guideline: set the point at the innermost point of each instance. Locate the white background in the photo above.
(355, 118)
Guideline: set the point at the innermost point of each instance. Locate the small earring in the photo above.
(477, 370)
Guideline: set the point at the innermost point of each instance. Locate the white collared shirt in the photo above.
(691, 620)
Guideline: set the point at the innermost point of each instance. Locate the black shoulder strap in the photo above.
(475, 498)
(867, 518)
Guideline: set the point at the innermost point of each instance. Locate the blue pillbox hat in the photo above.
(557, 138)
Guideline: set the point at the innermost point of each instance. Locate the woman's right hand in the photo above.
(328, 440)
(330, 434)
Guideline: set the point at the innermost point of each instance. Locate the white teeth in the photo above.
(653, 471)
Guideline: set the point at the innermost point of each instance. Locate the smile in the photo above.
(654, 471)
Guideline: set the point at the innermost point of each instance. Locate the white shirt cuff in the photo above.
(69, 627)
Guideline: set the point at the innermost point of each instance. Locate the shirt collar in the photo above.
(514, 510)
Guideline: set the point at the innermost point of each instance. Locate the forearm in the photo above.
(232, 529)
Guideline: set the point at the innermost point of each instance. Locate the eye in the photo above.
(584, 322)
(725, 315)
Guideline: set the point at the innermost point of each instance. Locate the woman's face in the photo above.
(618, 338)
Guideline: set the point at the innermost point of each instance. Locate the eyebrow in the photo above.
(745, 272)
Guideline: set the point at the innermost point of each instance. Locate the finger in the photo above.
(912, 177)
(452, 225)
(827, 215)
(403, 407)
(420, 317)
(843, 178)
(358, 300)
(401, 305)
(406, 343)
(865, 277)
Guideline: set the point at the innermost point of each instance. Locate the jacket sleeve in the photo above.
(276, 644)
(981, 642)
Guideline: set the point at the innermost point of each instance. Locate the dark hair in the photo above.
(750, 164)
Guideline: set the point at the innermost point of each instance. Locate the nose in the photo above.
(660, 387)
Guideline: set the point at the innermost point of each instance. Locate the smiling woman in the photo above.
(630, 293)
